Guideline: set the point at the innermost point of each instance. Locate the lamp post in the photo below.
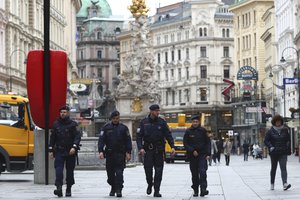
(283, 60)
(279, 87)
(272, 93)
(10, 68)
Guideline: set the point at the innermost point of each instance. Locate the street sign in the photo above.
(256, 109)
(230, 133)
(288, 81)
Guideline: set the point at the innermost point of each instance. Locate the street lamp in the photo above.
(298, 71)
(10, 68)
(279, 87)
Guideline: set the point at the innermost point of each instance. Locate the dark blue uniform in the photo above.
(196, 139)
(115, 142)
(64, 137)
(151, 137)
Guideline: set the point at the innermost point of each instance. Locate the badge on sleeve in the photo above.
(101, 133)
(138, 130)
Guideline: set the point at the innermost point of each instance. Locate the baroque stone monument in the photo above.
(137, 88)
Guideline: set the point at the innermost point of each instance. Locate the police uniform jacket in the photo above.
(196, 139)
(153, 133)
(64, 136)
(280, 140)
(115, 138)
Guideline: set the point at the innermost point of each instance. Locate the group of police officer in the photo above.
(115, 145)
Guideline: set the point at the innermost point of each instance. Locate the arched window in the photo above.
(200, 32)
(227, 32)
(223, 32)
(99, 35)
(205, 32)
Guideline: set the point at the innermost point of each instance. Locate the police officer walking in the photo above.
(64, 144)
(197, 144)
(151, 136)
(115, 137)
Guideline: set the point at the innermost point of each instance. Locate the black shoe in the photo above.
(196, 193)
(112, 192)
(157, 194)
(119, 193)
(203, 193)
(58, 191)
(149, 189)
(68, 191)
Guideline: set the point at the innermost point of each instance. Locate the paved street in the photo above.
(239, 181)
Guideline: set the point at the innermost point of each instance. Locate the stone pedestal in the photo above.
(39, 159)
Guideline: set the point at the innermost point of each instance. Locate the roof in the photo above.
(105, 8)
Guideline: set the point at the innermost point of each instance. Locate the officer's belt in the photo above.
(152, 146)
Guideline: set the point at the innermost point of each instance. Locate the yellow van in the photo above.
(178, 130)
(16, 134)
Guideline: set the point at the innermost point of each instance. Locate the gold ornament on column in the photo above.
(138, 8)
(136, 105)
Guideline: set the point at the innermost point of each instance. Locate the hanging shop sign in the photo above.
(247, 73)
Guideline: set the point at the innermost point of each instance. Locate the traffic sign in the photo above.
(291, 81)
(256, 109)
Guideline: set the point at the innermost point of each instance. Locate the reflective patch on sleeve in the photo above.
(101, 133)
(138, 130)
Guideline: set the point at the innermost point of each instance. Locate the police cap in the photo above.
(65, 107)
(154, 107)
(114, 114)
(195, 117)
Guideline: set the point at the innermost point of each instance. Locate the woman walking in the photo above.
(227, 149)
(278, 141)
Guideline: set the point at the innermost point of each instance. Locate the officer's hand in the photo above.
(142, 152)
(128, 156)
(195, 153)
(173, 151)
(101, 155)
(51, 155)
(207, 157)
(72, 151)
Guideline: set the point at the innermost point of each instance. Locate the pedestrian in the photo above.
(246, 150)
(227, 149)
(219, 144)
(213, 150)
(151, 136)
(64, 144)
(197, 144)
(278, 141)
(115, 145)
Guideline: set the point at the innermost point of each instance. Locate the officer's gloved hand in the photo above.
(142, 152)
(173, 151)
(72, 151)
(128, 157)
(51, 155)
(101, 155)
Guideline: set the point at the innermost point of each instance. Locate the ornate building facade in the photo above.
(98, 59)
(3, 22)
(24, 32)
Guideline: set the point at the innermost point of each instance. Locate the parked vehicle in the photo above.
(16, 134)
(177, 129)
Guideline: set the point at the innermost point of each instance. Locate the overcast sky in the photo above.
(119, 7)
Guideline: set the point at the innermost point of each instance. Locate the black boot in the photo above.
(196, 193)
(112, 192)
(58, 191)
(149, 189)
(204, 192)
(119, 193)
(156, 193)
(68, 191)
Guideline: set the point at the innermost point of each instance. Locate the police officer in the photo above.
(151, 136)
(197, 144)
(64, 143)
(115, 137)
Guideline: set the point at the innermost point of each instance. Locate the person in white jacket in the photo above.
(213, 150)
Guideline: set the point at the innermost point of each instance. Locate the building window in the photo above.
(223, 32)
(158, 58)
(172, 73)
(187, 53)
(166, 57)
(179, 74)
(203, 52)
(203, 94)
(158, 40)
(226, 52)
(226, 71)
(179, 96)
(158, 75)
(173, 97)
(203, 71)
(205, 31)
(99, 35)
(167, 75)
(200, 32)
(99, 54)
(187, 73)
(99, 73)
(172, 37)
(179, 54)
(167, 98)
(227, 33)
(166, 39)
(187, 95)
(172, 55)
(81, 55)
(179, 36)
(187, 35)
